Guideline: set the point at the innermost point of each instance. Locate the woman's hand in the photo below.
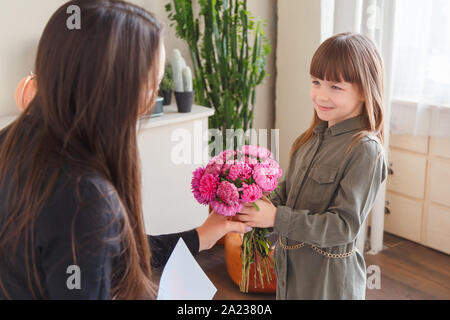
(264, 218)
(215, 227)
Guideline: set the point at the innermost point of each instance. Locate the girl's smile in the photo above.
(323, 108)
(335, 101)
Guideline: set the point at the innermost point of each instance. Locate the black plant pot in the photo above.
(167, 95)
(184, 101)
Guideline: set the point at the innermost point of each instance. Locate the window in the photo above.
(421, 60)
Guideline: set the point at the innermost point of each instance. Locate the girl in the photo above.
(70, 189)
(335, 171)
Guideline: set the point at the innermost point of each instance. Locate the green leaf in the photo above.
(226, 68)
(255, 206)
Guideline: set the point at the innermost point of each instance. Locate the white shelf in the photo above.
(172, 116)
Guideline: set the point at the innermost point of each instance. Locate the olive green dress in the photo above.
(321, 205)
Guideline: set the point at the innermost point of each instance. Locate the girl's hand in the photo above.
(264, 218)
(215, 227)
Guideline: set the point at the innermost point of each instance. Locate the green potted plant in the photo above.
(226, 67)
(166, 86)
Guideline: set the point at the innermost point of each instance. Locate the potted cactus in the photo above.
(166, 86)
(182, 81)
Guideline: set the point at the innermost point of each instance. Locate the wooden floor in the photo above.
(408, 271)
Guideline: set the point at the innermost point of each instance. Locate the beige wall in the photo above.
(282, 101)
(265, 93)
(22, 22)
(261, 9)
(21, 25)
(298, 38)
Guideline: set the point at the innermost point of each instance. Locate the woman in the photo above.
(70, 189)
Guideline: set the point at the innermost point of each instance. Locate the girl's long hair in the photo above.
(352, 58)
(93, 84)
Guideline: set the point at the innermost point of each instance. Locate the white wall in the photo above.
(298, 38)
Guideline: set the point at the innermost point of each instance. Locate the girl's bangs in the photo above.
(334, 62)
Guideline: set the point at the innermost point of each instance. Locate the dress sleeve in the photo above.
(278, 197)
(356, 194)
(79, 241)
(161, 246)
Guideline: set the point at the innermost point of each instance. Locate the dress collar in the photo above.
(347, 125)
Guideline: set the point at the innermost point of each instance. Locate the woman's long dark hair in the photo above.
(92, 86)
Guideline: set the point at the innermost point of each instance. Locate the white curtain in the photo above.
(373, 18)
(421, 68)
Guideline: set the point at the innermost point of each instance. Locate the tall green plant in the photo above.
(227, 69)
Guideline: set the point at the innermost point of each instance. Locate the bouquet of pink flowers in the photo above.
(231, 179)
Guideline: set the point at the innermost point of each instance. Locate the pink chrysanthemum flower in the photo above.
(227, 166)
(228, 193)
(214, 159)
(213, 168)
(256, 151)
(195, 184)
(224, 197)
(197, 175)
(251, 193)
(240, 170)
(208, 187)
(224, 156)
(266, 177)
(275, 167)
(248, 160)
(226, 210)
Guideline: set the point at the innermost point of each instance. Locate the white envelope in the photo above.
(183, 278)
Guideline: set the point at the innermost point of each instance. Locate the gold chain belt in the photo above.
(325, 253)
